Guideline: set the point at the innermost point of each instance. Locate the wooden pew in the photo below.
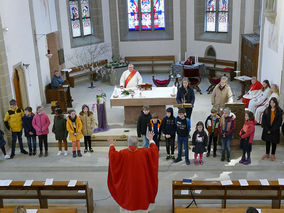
(78, 72)
(58, 190)
(10, 210)
(152, 61)
(231, 210)
(214, 65)
(215, 191)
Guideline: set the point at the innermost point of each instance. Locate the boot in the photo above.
(222, 158)
(214, 155)
(79, 153)
(40, 154)
(177, 160)
(187, 162)
(173, 156)
(85, 150)
(195, 161)
(243, 159)
(30, 152)
(208, 154)
(168, 157)
(248, 161)
(74, 154)
(272, 158)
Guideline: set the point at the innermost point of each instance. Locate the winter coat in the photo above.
(221, 97)
(13, 119)
(199, 141)
(143, 123)
(28, 125)
(274, 136)
(59, 127)
(248, 130)
(157, 132)
(71, 131)
(183, 126)
(168, 126)
(209, 125)
(185, 96)
(231, 125)
(88, 122)
(2, 140)
(41, 123)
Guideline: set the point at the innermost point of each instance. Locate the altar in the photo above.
(156, 99)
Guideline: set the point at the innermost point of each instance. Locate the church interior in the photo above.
(89, 45)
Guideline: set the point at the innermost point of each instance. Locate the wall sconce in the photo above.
(49, 54)
(5, 29)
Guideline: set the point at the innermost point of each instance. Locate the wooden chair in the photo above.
(163, 83)
(194, 77)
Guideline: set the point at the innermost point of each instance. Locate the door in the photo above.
(17, 89)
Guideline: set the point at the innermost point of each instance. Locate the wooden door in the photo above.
(16, 81)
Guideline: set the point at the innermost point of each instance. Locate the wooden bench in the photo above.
(213, 190)
(214, 65)
(10, 210)
(231, 210)
(152, 61)
(58, 190)
(78, 72)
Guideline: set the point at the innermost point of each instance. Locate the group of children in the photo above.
(216, 126)
(37, 125)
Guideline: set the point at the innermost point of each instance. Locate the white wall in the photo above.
(249, 16)
(19, 44)
(271, 63)
(155, 48)
(68, 51)
(227, 51)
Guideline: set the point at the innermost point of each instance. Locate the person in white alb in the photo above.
(130, 78)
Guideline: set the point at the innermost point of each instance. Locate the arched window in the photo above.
(146, 15)
(216, 16)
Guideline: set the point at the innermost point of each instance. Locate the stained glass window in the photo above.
(146, 14)
(217, 13)
(80, 18)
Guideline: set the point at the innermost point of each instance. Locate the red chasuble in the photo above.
(133, 176)
(256, 86)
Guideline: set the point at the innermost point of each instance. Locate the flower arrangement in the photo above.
(101, 97)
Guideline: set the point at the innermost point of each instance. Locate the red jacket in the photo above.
(248, 129)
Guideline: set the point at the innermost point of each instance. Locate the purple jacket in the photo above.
(41, 124)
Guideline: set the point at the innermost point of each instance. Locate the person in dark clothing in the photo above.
(183, 129)
(29, 130)
(155, 124)
(212, 124)
(2, 145)
(57, 80)
(168, 128)
(199, 142)
(143, 125)
(271, 124)
(185, 94)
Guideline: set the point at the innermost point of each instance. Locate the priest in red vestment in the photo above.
(133, 174)
(254, 91)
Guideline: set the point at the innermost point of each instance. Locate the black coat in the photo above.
(199, 146)
(169, 126)
(59, 128)
(274, 136)
(143, 123)
(28, 125)
(2, 140)
(188, 95)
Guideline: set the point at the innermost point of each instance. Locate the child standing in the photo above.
(74, 127)
(13, 122)
(155, 123)
(143, 125)
(88, 122)
(183, 129)
(199, 142)
(247, 134)
(212, 124)
(2, 145)
(41, 123)
(226, 130)
(168, 128)
(30, 132)
(60, 131)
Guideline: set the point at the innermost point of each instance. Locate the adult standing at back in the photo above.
(222, 94)
(185, 95)
(130, 78)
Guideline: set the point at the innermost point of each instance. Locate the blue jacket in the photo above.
(28, 126)
(2, 140)
(188, 95)
(168, 126)
(56, 82)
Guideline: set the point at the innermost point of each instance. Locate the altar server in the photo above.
(130, 78)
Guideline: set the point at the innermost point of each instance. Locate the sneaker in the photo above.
(168, 157)
(34, 153)
(228, 160)
(12, 156)
(201, 162)
(214, 155)
(24, 152)
(248, 161)
(208, 154)
(195, 161)
(59, 153)
(222, 158)
(79, 153)
(74, 154)
(243, 159)
(30, 153)
(187, 162)
(46, 154)
(272, 158)
(40, 154)
(177, 160)
(266, 156)
(7, 157)
(173, 157)
(85, 150)
(91, 150)
(65, 153)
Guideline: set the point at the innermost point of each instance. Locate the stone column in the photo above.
(114, 27)
(183, 24)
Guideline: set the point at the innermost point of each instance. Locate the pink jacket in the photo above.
(41, 124)
(249, 129)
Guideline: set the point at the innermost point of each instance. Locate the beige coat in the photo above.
(221, 97)
(88, 123)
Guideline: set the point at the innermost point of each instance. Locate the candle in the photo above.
(179, 57)
(174, 90)
(185, 55)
